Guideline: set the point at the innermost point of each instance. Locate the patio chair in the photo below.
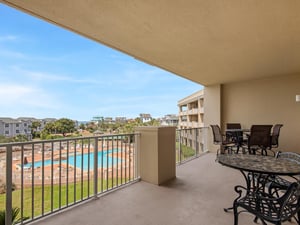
(275, 135)
(235, 133)
(259, 139)
(268, 208)
(278, 183)
(226, 145)
(233, 126)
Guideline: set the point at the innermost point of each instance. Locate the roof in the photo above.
(193, 97)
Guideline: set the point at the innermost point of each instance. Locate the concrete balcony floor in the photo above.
(197, 196)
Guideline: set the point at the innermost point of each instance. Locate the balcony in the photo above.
(193, 111)
(52, 176)
(183, 113)
(197, 196)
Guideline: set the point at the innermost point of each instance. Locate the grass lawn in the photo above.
(62, 196)
(186, 152)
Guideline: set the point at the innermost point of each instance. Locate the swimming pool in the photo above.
(104, 160)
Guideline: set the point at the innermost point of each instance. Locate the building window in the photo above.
(25, 124)
(17, 131)
(6, 132)
(6, 125)
(17, 125)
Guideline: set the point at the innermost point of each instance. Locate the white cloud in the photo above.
(8, 38)
(18, 96)
(52, 77)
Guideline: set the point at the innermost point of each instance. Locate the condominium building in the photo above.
(12, 127)
(191, 111)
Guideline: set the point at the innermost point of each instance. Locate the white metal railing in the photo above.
(190, 143)
(44, 177)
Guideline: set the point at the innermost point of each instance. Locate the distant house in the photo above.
(145, 117)
(169, 120)
(121, 119)
(108, 120)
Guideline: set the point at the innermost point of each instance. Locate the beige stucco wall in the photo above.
(267, 101)
(212, 111)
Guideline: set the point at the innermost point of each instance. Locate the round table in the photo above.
(257, 169)
(260, 164)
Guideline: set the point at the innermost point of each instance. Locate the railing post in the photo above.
(137, 155)
(197, 142)
(179, 146)
(8, 211)
(96, 168)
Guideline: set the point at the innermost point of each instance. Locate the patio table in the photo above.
(257, 169)
(238, 136)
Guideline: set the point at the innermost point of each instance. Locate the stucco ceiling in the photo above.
(207, 41)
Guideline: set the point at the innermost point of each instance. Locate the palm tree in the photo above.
(15, 212)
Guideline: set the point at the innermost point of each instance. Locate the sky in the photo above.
(49, 72)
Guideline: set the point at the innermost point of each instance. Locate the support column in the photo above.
(157, 154)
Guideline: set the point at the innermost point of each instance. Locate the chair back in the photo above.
(260, 135)
(233, 126)
(275, 135)
(268, 207)
(217, 134)
(293, 156)
(289, 202)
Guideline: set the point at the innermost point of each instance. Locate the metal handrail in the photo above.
(84, 166)
(191, 143)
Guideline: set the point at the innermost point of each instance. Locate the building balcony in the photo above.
(198, 194)
(183, 113)
(194, 111)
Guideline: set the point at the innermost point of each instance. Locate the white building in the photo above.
(169, 120)
(145, 117)
(12, 127)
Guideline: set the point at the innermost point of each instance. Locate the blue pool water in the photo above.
(103, 158)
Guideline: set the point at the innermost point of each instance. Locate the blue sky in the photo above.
(46, 71)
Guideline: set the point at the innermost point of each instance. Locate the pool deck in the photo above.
(55, 171)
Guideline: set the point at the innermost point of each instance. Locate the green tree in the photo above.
(153, 122)
(82, 126)
(91, 127)
(61, 126)
(49, 128)
(64, 126)
(34, 129)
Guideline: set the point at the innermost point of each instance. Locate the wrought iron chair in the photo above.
(226, 145)
(268, 208)
(259, 139)
(278, 183)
